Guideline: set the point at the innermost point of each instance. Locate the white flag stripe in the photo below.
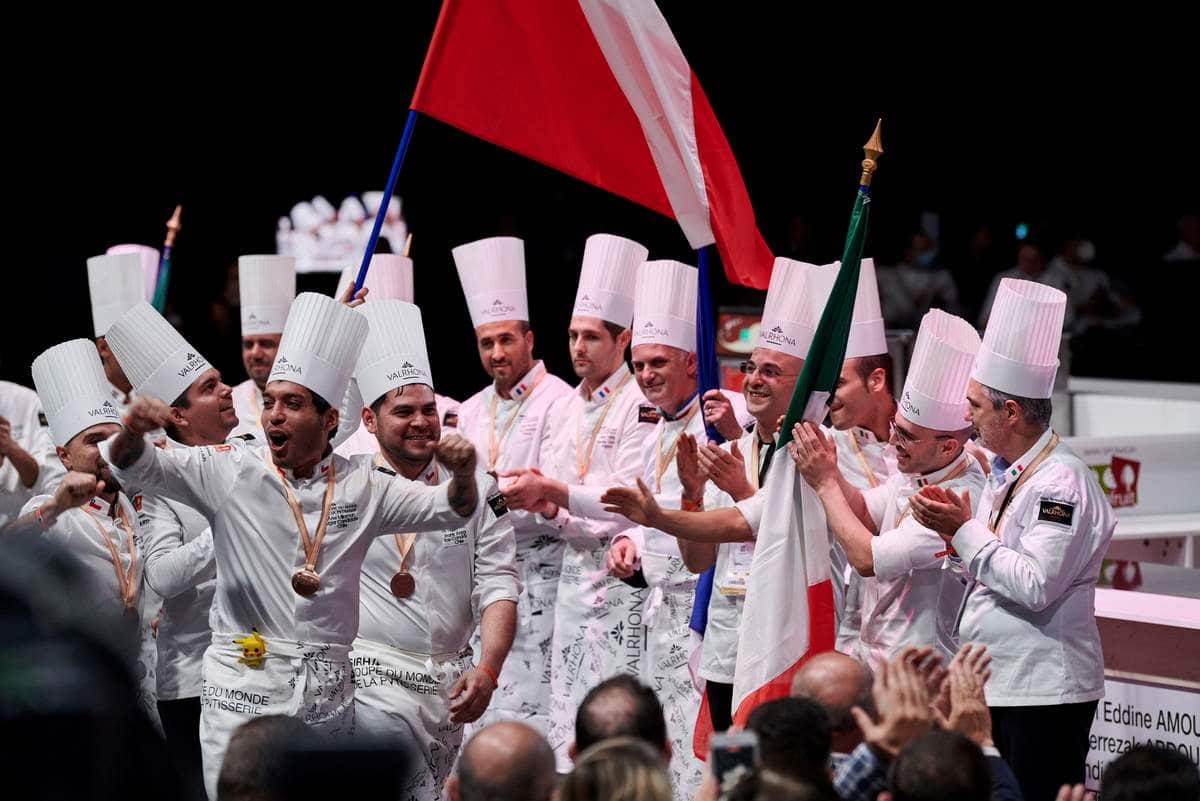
(652, 72)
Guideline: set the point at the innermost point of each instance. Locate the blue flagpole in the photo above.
(707, 379)
(387, 197)
(706, 341)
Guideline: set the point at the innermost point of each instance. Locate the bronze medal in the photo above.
(306, 582)
(403, 584)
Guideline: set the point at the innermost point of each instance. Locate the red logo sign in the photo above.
(1119, 480)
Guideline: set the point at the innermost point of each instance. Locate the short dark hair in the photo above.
(620, 706)
(256, 762)
(378, 402)
(323, 406)
(794, 738)
(614, 330)
(1036, 411)
(1151, 773)
(869, 364)
(182, 402)
(940, 766)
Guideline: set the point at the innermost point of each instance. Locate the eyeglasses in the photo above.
(905, 440)
(767, 371)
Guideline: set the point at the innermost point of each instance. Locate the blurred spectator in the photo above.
(1151, 773)
(505, 761)
(620, 769)
(838, 683)
(1030, 266)
(1188, 246)
(915, 285)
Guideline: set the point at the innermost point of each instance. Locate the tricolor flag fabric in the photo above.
(600, 90)
(788, 615)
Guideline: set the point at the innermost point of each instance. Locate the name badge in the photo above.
(737, 569)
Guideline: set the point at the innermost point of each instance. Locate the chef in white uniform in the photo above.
(596, 439)
(267, 286)
(719, 477)
(507, 422)
(664, 361)
(911, 587)
(291, 526)
(390, 277)
(1033, 547)
(423, 597)
(29, 465)
(117, 281)
(88, 514)
(178, 554)
(860, 416)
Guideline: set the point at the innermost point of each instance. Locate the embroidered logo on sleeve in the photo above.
(386, 471)
(498, 504)
(42, 421)
(647, 414)
(1060, 512)
(450, 419)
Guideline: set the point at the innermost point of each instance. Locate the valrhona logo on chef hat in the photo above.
(492, 274)
(157, 360)
(394, 354)
(788, 319)
(267, 286)
(320, 346)
(664, 307)
(935, 389)
(74, 393)
(608, 279)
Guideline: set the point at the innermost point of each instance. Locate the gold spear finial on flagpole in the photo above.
(173, 226)
(873, 149)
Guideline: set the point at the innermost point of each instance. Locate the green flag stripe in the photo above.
(823, 364)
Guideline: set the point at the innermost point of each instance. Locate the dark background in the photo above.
(238, 123)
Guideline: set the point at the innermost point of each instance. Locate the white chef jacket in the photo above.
(903, 602)
(519, 428)
(21, 407)
(598, 629)
(871, 464)
(257, 545)
(411, 651)
(1034, 604)
(670, 596)
(76, 531)
(179, 567)
(719, 654)
(441, 615)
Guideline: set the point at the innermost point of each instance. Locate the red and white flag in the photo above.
(788, 616)
(600, 90)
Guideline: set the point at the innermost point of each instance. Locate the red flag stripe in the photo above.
(821, 639)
